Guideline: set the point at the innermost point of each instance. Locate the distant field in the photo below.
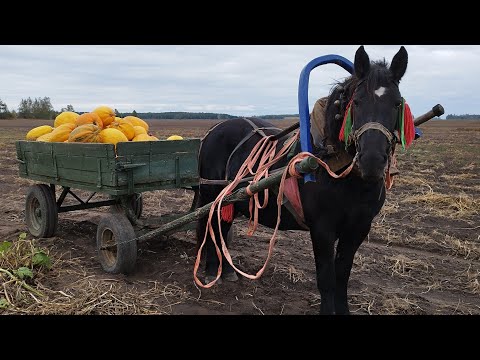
(422, 255)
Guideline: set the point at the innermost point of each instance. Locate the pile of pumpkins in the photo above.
(99, 126)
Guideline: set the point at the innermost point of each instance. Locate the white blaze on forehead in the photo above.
(380, 91)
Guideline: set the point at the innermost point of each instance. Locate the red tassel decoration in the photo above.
(409, 127)
(227, 213)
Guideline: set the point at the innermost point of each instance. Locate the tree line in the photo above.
(464, 116)
(41, 108)
(37, 108)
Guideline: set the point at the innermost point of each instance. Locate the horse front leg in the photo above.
(323, 242)
(349, 241)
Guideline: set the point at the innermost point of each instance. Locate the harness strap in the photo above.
(255, 130)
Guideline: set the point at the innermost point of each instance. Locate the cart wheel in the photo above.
(41, 213)
(135, 202)
(116, 252)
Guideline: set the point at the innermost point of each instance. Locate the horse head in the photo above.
(374, 112)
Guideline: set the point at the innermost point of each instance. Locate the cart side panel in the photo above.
(87, 166)
(161, 164)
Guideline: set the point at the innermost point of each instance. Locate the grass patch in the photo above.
(454, 206)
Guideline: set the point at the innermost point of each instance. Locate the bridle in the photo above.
(354, 137)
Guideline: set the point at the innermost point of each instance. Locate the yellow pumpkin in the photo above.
(142, 137)
(89, 118)
(154, 138)
(139, 130)
(45, 137)
(106, 114)
(135, 121)
(125, 127)
(88, 133)
(35, 133)
(65, 117)
(175, 137)
(112, 136)
(61, 133)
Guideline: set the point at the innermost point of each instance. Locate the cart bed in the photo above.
(135, 168)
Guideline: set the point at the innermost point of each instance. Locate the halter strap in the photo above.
(373, 126)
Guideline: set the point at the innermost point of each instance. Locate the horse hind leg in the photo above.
(229, 273)
(211, 259)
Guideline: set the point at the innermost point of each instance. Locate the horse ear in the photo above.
(399, 64)
(362, 63)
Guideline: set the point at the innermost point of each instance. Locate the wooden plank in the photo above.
(85, 149)
(85, 163)
(91, 149)
(39, 163)
(158, 147)
(86, 177)
(75, 184)
(162, 167)
(22, 167)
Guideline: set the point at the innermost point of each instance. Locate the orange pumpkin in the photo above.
(88, 133)
(89, 118)
(61, 133)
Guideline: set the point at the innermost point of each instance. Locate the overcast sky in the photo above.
(233, 79)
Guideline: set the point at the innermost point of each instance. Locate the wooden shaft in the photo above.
(307, 165)
(437, 110)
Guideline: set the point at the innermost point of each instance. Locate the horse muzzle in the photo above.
(373, 160)
(372, 166)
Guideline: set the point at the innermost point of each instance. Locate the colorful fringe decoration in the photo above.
(347, 124)
(406, 126)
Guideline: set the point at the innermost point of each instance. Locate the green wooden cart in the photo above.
(124, 174)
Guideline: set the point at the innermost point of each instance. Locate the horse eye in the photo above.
(398, 103)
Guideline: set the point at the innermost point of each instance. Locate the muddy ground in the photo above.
(422, 255)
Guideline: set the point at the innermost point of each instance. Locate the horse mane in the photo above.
(379, 71)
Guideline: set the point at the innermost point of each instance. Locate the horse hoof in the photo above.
(231, 277)
(210, 278)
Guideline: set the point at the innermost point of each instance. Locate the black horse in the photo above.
(334, 209)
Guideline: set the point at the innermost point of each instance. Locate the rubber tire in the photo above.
(136, 202)
(40, 196)
(117, 228)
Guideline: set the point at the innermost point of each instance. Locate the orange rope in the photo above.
(265, 150)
